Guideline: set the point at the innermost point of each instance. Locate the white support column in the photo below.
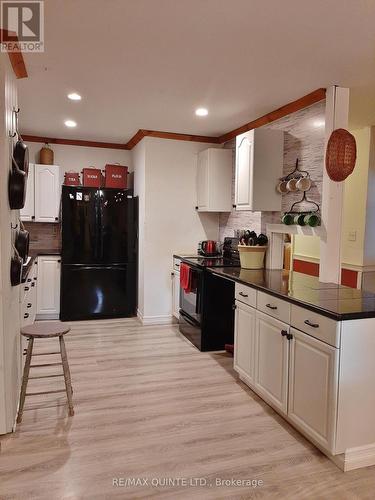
(337, 113)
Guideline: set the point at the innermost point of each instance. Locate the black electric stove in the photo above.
(206, 308)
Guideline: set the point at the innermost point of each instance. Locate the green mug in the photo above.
(287, 219)
(300, 219)
(312, 220)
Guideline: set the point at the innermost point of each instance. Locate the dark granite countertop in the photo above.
(33, 253)
(334, 301)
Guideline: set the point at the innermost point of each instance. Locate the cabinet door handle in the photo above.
(313, 325)
(29, 305)
(26, 315)
(284, 333)
(26, 288)
(32, 284)
(243, 294)
(289, 336)
(234, 307)
(271, 307)
(234, 206)
(28, 280)
(177, 265)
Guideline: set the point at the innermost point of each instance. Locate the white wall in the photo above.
(171, 223)
(10, 360)
(77, 157)
(139, 162)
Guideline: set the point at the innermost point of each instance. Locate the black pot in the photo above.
(17, 187)
(22, 244)
(15, 270)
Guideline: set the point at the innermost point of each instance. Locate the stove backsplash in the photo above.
(304, 139)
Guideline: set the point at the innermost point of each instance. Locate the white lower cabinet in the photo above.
(48, 289)
(313, 381)
(271, 360)
(244, 341)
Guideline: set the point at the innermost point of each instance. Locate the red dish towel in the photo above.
(185, 277)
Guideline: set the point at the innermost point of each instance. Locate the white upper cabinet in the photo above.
(28, 211)
(259, 165)
(47, 193)
(214, 180)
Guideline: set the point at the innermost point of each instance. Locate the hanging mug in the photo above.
(303, 184)
(292, 185)
(312, 220)
(288, 219)
(282, 187)
(300, 219)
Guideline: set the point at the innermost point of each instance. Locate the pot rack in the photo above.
(303, 200)
(296, 173)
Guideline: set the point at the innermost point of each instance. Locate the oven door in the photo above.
(191, 302)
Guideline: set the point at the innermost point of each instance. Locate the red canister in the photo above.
(116, 176)
(92, 177)
(72, 179)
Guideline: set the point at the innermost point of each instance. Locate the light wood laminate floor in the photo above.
(148, 405)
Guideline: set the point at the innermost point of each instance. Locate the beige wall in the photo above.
(10, 359)
(77, 157)
(171, 223)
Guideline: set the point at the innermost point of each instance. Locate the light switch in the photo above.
(352, 236)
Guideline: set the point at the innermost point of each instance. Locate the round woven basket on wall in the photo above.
(341, 155)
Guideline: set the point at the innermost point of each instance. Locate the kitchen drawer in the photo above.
(316, 325)
(273, 306)
(246, 295)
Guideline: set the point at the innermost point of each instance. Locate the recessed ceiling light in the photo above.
(70, 123)
(319, 123)
(74, 96)
(201, 112)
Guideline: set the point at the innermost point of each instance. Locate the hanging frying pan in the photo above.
(15, 269)
(16, 187)
(20, 150)
(22, 243)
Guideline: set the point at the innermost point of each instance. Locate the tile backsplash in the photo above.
(304, 139)
(43, 235)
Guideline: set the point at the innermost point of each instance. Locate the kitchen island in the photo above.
(308, 349)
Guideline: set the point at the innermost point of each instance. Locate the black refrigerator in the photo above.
(99, 253)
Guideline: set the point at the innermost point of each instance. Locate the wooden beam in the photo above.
(15, 56)
(74, 142)
(289, 108)
(169, 135)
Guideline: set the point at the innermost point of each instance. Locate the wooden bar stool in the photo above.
(44, 330)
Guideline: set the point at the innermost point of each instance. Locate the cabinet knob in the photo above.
(289, 336)
(59, 260)
(26, 288)
(234, 307)
(32, 284)
(172, 274)
(26, 315)
(284, 333)
(196, 208)
(28, 280)
(33, 217)
(56, 218)
(29, 305)
(234, 206)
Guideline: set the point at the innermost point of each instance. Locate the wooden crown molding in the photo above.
(289, 108)
(73, 142)
(15, 57)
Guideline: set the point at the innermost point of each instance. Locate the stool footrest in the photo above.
(44, 392)
(47, 376)
(45, 364)
(45, 353)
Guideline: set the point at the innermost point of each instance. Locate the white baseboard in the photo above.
(156, 320)
(361, 456)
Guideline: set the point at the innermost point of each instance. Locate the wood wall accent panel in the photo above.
(16, 58)
(169, 135)
(74, 142)
(292, 107)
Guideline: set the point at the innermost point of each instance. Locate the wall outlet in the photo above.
(352, 236)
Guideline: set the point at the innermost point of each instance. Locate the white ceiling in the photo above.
(150, 63)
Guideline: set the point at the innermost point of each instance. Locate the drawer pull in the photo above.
(284, 333)
(313, 325)
(26, 315)
(29, 305)
(243, 294)
(271, 307)
(234, 307)
(33, 284)
(26, 288)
